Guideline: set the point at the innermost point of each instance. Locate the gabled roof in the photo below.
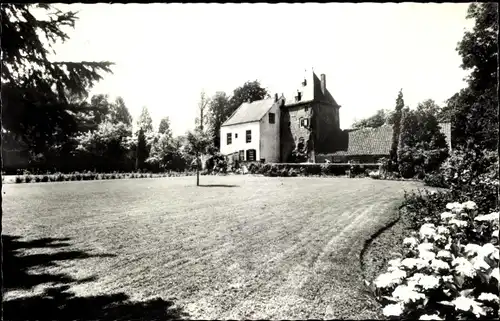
(310, 92)
(250, 112)
(368, 141)
(377, 141)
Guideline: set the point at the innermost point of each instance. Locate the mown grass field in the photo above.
(240, 247)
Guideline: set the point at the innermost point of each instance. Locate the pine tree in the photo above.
(142, 152)
(407, 156)
(396, 120)
(35, 103)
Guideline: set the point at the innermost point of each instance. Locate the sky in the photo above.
(166, 54)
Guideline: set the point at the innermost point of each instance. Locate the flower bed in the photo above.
(59, 177)
(449, 269)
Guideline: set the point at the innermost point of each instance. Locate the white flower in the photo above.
(393, 310)
(480, 264)
(395, 262)
(439, 265)
(488, 297)
(447, 247)
(427, 255)
(466, 304)
(447, 215)
(443, 230)
(406, 294)
(494, 233)
(427, 230)
(390, 278)
(470, 205)
(487, 249)
(410, 241)
(447, 278)
(458, 223)
(430, 317)
(444, 254)
(425, 247)
(429, 282)
(488, 217)
(464, 267)
(453, 205)
(495, 274)
(472, 248)
(412, 262)
(415, 278)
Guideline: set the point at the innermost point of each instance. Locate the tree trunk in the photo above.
(197, 170)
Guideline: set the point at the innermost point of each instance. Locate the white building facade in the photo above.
(252, 132)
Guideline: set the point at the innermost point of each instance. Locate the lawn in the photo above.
(242, 247)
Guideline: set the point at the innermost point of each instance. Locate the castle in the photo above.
(305, 128)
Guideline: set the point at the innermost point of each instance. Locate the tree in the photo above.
(119, 112)
(166, 153)
(217, 115)
(421, 145)
(474, 110)
(380, 118)
(407, 154)
(199, 143)
(479, 47)
(105, 148)
(35, 104)
(164, 127)
(142, 152)
(203, 104)
(396, 125)
(250, 91)
(145, 122)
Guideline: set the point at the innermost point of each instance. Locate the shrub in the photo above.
(28, 178)
(113, 176)
(19, 179)
(374, 174)
(448, 271)
(254, 168)
(283, 172)
(435, 179)
(264, 170)
(37, 179)
(313, 169)
(45, 178)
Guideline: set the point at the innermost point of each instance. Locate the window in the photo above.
(251, 155)
(229, 139)
(272, 119)
(249, 136)
(304, 122)
(235, 135)
(242, 156)
(306, 109)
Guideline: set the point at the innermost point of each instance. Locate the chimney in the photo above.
(275, 97)
(323, 84)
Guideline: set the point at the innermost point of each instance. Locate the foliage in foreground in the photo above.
(449, 269)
